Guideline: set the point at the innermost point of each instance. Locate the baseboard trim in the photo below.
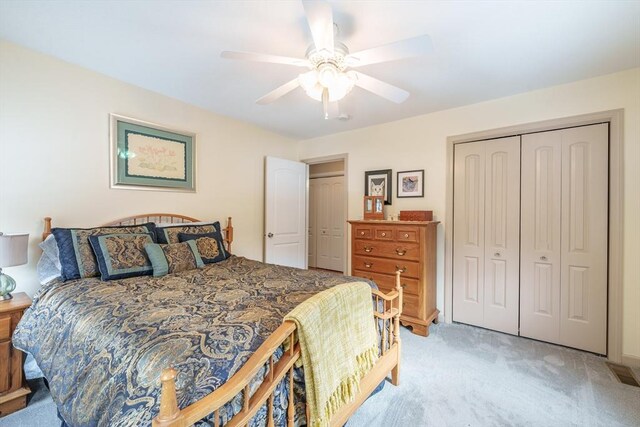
(630, 360)
(441, 318)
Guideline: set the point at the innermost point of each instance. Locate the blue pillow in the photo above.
(173, 257)
(169, 233)
(76, 255)
(210, 246)
(122, 255)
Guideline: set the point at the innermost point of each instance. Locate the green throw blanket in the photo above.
(339, 346)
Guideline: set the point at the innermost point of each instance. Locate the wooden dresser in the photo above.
(13, 387)
(379, 248)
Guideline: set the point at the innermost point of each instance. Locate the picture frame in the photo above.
(373, 207)
(148, 156)
(379, 183)
(410, 184)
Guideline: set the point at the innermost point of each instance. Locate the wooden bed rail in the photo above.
(154, 217)
(387, 320)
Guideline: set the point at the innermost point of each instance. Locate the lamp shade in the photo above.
(13, 249)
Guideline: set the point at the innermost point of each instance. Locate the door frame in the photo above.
(328, 159)
(615, 119)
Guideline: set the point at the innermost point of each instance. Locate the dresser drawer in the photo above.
(383, 233)
(362, 232)
(408, 234)
(396, 250)
(5, 327)
(410, 305)
(386, 266)
(387, 283)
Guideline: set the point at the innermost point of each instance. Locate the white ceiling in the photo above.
(483, 50)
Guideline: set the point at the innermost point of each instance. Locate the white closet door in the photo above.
(313, 203)
(323, 212)
(468, 233)
(337, 223)
(330, 222)
(583, 312)
(502, 234)
(540, 236)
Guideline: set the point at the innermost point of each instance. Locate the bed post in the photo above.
(47, 227)
(169, 414)
(395, 372)
(228, 234)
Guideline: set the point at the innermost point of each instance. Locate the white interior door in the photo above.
(564, 237)
(468, 233)
(328, 195)
(583, 250)
(285, 212)
(502, 234)
(313, 223)
(540, 236)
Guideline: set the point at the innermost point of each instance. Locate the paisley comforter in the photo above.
(102, 345)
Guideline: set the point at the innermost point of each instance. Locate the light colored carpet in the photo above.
(465, 376)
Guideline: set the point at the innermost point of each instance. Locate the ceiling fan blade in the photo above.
(380, 88)
(279, 92)
(320, 19)
(408, 48)
(263, 57)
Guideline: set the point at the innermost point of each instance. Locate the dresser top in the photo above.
(19, 301)
(388, 222)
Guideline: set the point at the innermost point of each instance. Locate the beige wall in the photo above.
(420, 143)
(54, 154)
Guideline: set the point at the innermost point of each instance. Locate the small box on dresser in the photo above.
(380, 248)
(13, 386)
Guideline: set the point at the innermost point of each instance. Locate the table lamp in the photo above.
(13, 251)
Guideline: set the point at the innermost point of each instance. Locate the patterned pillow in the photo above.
(77, 257)
(170, 234)
(173, 257)
(122, 255)
(210, 246)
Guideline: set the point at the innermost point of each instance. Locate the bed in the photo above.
(206, 344)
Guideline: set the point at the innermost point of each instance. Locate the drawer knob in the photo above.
(368, 248)
(401, 252)
(401, 270)
(406, 235)
(384, 234)
(362, 233)
(403, 286)
(368, 264)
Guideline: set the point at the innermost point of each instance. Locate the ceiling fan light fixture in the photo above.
(337, 85)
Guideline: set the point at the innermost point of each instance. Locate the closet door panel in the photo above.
(502, 234)
(584, 237)
(468, 233)
(337, 223)
(323, 233)
(540, 236)
(313, 203)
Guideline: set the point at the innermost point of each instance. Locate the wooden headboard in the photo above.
(157, 218)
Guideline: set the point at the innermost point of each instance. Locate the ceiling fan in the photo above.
(331, 75)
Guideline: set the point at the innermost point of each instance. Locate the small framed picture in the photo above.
(378, 183)
(411, 183)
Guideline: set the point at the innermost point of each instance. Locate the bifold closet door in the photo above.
(313, 209)
(330, 222)
(564, 237)
(486, 238)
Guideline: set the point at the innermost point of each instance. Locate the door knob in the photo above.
(270, 235)
(496, 254)
(543, 258)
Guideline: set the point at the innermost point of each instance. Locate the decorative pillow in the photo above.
(173, 257)
(77, 257)
(49, 267)
(210, 246)
(170, 234)
(122, 255)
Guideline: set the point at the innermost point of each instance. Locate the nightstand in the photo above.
(13, 386)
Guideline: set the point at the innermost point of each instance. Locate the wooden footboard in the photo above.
(386, 317)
